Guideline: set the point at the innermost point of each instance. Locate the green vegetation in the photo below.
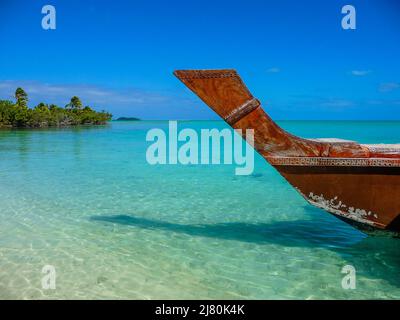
(19, 115)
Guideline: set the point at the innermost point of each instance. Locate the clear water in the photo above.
(85, 201)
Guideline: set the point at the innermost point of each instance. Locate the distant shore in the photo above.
(127, 119)
(18, 115)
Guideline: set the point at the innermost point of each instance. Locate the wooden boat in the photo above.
(358, 183)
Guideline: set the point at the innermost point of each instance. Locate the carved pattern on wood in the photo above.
(236, 114)
(346, 162)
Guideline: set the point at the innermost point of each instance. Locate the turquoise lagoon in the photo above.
(85, 201)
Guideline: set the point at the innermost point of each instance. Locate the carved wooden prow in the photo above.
(227, 95)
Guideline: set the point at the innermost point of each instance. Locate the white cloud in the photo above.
(274, 70)
(375, 102)
(89, 94)
(337, 103)
(360, 73)
(119, 101)
(389, 86)
(383, 102)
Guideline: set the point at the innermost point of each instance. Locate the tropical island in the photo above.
(127, 119)
(19, 115)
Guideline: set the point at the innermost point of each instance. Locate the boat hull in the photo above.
(364, 194)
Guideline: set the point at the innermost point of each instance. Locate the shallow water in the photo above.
(85, 201)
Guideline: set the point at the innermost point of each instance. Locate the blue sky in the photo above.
(119, 55)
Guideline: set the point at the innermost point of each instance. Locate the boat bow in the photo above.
(356, 182)
(228, 96)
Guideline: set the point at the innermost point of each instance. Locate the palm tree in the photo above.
(75, 104)
(21, 96)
